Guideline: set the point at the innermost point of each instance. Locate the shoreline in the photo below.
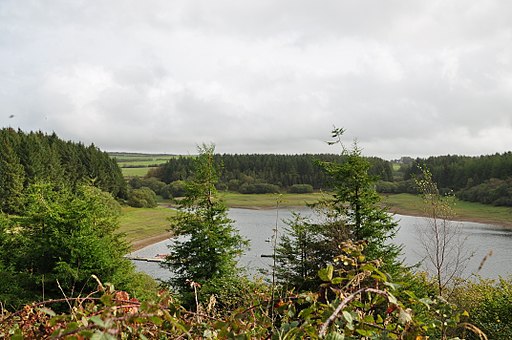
(145, 242)
(148, 241)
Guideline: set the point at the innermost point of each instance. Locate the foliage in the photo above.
(493, 191)
(59, 240)
(464, 176)
(356, 202)
(12, 175)
(444, 247)
(301, 252)
(301, 189)
(284, 171)
(28, 158)
(259, 188)
(489, 303)
(206, 253)
(142, 198)
(354, 300)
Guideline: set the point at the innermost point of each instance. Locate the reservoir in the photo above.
(258, 225)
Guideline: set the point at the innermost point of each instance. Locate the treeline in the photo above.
(28, 158)
(484, 179)
(261, 173)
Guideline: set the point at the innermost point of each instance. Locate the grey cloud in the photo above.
(412, 78)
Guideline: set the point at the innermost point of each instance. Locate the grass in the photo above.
(142, 162)
(265, 201)
(408, 204)
(132, 172)
(143, 223)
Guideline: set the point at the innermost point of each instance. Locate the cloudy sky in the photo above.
(406, 78)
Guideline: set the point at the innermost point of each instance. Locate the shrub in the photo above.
(142, 198)
(259, 188)
(301, 189)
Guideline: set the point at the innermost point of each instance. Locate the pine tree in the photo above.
(12, 174)
(356, 199)
(209, 245)
(351, 213)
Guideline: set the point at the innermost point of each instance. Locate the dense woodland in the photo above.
(484, 179)
(28, 158)
(260, 173)
(335, 276)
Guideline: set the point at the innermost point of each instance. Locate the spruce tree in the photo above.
(12, 174)
(208, 246)
(351, 213)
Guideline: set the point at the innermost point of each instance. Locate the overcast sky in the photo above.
(406, 78)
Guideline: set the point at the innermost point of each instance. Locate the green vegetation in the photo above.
(142, 223)
(140, 172)
(59, 239)
(28, 158)
(337, 276)
(256, 201)
(352, 213)
(265, 173)
(207, 258)
(409, 204)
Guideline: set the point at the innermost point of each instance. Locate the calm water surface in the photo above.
(257, 226)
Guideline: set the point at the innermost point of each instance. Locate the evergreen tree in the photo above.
(12, 174)
(352, 213)
(356, 199)
(65, 237)
(209, 245)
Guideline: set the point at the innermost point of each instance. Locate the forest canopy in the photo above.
(28, 158)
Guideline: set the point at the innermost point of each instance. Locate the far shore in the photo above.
(142, 243)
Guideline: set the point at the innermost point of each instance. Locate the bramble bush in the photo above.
(354, 300)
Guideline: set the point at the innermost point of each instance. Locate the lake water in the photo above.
(258, 225)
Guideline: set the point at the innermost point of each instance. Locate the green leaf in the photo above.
(365, 332)
(348, 316)
(325, 274)
(47, 311)
(335, 336)
(97, 321)
(392, 299)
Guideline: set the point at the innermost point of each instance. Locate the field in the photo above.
(408, 204)
(132, 172)
(145, 223)
(138, 164)
(265, 201)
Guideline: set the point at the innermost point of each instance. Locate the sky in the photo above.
(403, 78)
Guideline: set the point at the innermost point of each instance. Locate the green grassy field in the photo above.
(138, 164)
(408, 204)
(237, 200)
(143, 223)
(132, 172)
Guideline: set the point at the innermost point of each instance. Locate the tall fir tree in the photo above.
(209, 244)
(12, 174)
(352, 213)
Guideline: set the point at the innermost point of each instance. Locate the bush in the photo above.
(154, 184)
(178, 188)
(142, 198)
(259, 188)
(301, 189)
(489, 304)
